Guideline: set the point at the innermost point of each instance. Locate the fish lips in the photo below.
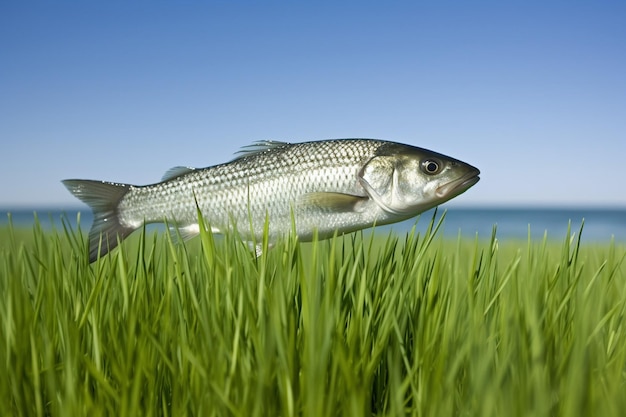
(458, 186)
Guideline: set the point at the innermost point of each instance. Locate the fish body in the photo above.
(317, 187)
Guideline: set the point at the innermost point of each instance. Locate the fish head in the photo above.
(405, 180)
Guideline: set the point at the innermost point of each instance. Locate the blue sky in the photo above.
(532, 93)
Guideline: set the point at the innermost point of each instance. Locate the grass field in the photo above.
(359, 325)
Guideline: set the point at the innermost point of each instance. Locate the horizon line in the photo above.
(445, 206)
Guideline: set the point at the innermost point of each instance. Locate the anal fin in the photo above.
(188, 232)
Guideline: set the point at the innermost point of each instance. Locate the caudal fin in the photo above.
(103, 198)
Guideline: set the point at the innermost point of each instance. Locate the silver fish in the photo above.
(325, 186)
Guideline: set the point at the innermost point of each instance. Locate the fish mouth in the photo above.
(458, 186)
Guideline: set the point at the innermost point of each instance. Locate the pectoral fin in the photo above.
(335, 202)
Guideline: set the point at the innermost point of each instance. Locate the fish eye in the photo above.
(431, 166)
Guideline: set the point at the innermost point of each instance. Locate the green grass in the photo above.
(354, 326)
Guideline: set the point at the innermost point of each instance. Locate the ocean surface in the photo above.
(600, 225)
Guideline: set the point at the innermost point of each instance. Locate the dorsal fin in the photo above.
(259, 147)
(176, 172)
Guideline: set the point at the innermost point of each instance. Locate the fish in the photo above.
(315, 189)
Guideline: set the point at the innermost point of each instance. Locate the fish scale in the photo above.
(324, 186)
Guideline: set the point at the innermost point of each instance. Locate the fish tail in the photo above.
(103, 198)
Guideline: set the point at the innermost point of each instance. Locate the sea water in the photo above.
(600, 224)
